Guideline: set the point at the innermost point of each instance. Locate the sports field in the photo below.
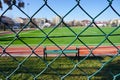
(82, 37)
(64, 36)
(75, 36)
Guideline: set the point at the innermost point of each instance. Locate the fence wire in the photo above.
(59, 67)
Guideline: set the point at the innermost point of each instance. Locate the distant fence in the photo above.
(52, 68)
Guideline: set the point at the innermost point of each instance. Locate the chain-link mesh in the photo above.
(58, 67)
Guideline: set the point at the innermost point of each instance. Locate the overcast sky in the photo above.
(62, 7)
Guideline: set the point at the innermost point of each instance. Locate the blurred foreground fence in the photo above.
(58, 67)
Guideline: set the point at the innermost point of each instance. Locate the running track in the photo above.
(83, 51)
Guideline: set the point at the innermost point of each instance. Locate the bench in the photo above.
(64, 52)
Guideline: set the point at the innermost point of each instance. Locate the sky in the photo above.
(62, 7)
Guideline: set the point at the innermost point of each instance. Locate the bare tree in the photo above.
(10, 3)
(5, 22)
(19, 3)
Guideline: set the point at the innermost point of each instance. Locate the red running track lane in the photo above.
(83, 51)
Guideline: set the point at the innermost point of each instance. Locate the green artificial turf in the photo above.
(64, 36)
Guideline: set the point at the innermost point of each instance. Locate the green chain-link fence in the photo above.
(59, 67)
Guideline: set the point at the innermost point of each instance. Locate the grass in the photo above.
(62, 65)
(63, 36)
